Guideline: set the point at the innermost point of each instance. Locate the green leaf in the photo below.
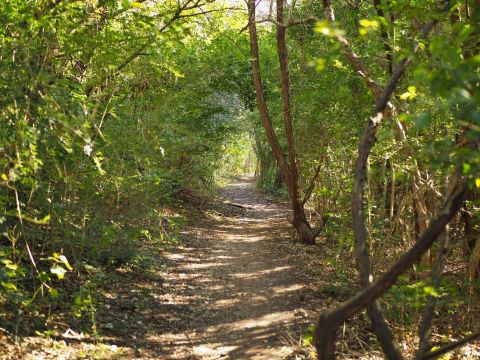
(423, 121)
(368, 23)
(9, 286)
(430, 290)
(43, 277)
(59, 271)
(320, 64)
(126, 4)
(307, 340)
(323, 27)
(53, 292)
(11, 266)
(64, 260)
(410, 94)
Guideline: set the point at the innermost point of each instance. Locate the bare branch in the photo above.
(383, 32)
(288, 24)
(329, 322)
(449, 347)
(311, 186)
(353, 58)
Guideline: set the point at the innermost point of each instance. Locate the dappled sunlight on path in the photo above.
(245, 292)
(233, 288)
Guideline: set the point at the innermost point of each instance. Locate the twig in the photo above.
(238, 205)
(312, 185)
(287, 24)
(449, 347)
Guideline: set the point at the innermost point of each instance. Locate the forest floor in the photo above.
(237, 287)
(232, 291)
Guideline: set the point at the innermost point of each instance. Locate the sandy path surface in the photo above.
(237, 287)
(235, 295)
(234, 288)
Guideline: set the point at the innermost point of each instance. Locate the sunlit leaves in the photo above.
(307, 339)
(59, 271)
(410, 94)
(9, 286)
(366, 25)
(127, 4)
(320, 64)
(338, 64)
(327, 28)
(60, 259)
(431, 291)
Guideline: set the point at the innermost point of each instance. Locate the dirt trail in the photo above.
(234, 289)
(237, 287)
(240, 294)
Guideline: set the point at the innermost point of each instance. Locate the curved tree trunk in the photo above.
(288, 169)
(330, 321)
(362, 247)
(304, 230)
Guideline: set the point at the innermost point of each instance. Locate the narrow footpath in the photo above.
(240, 292)
(237, 286)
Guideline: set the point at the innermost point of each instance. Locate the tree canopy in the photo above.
(365, 116)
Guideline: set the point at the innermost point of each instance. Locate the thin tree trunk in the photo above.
(474, 262)
(330, 321)
(383, 32)
(428, 311)
(261, 103)
(287, 169)
(300, 222)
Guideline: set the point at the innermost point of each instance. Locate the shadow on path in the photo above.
(228, 293)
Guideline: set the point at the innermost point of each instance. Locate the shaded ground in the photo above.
(237, 287)
(241, 296)
(229, 291)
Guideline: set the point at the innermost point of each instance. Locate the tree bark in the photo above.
(424, 328)
(384, 109)
(288, 168)
(362, 247)
(261, 103)
(383, 32)
(300, 222)
(324, 338)
(329, 322)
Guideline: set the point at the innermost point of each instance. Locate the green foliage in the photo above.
(406, 299)
(307, 339)
(96, 138)
(111, 108)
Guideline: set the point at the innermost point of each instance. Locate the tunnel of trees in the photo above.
(365, 115)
